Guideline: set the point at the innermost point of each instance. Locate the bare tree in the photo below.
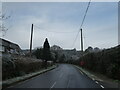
(3, 28)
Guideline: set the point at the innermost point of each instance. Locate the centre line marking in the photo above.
(68, 83)
(53, 85)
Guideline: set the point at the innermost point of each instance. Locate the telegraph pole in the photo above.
(31, 40)
(81, 41)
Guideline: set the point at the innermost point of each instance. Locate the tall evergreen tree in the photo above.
(46, 52)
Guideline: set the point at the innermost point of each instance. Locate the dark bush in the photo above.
(8, 68)
(106, 62)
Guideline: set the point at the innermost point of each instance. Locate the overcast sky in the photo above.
(54, 20)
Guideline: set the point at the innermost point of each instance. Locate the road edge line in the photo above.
(90, 77)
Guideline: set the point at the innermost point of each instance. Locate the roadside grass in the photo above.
(15, 80)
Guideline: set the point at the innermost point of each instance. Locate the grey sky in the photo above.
(99, 30)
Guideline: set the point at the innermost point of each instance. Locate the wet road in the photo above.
(64, 76)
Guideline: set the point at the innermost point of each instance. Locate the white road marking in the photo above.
(102, 86)
(81, 72)
(93, 79)
(99, 84)
(96, 82)
(68, 83)
(53, 85)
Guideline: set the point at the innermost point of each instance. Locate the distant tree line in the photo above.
(106, 62)
(53, 56)
(46, 54)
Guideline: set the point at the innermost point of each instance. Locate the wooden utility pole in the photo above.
(31, 40)
(81, 41)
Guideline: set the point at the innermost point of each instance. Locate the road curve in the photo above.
(64, 76)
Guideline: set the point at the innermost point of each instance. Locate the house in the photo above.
(7, 47)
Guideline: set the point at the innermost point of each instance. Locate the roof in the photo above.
(7, 43)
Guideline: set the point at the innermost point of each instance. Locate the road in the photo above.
(64, 76)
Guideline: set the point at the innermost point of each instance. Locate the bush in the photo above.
(20, 66)
(106, 62)
(8, 68)
(28, 65)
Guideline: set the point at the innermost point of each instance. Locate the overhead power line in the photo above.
(85, 14)
(75, 39)
(53, 31)
(81, 23)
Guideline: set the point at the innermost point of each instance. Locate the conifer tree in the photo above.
(46, 52)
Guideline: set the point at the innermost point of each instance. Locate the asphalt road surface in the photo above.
(64, 76)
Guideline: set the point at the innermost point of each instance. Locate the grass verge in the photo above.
(15, 80)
